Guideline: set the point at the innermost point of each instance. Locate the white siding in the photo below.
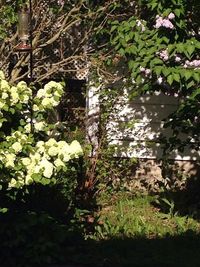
(146, 113)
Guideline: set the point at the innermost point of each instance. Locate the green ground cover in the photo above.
(133, 232)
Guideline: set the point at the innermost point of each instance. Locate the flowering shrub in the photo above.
(28, 151)
(162, 53)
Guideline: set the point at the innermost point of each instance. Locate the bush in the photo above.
(39, 172)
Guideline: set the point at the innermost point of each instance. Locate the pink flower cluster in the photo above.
(61, 2)
(177, 58)
(145, 71)
(164, 22)
(163, 55)
(192, 64)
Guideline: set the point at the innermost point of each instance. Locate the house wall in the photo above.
(141, 141)
(145, 113)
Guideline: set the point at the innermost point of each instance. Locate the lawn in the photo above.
(133, 232)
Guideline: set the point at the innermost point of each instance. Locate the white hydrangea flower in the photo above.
(26, 161)
(49, 86)
(2, 76)
(48, 168)
(14, 97)
(37, 169)
(9, 160)
(4, 95)
(75, 148)
(46, 102)
(28, 180)
(66, 157)
(4, 85)
(40, 93)
(40, 144)
(54, 102)
(65, 149)
(25, 99)
(39, 126)
(35, 107)
(27, 128)
(59, 163)
(61, 144)
(22, 84)
(51, 142)
(12, 183)
(17, 147)
(53, 151)
(35, 157)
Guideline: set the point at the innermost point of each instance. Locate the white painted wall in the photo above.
(147, 112)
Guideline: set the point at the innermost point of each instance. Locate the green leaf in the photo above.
(196, 76)
(170, 79)
(114, 27)
(165, 71)
(190, 49)
(12, 110)
(5, 107)
(132, 64)
(157, 61)
(3, 210)
(122, 51)
(180, 48)
(190, 84)
(176, 77)
(177, 12)
(165, 40)
(158, 70)
(154, 5)
(195, 93)
(187, 74)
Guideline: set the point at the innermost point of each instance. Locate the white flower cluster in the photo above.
(140, 23)
(38, 126)
(16, 142)
(48, 97)
(45, 161)
(10, 96)
(25, 158)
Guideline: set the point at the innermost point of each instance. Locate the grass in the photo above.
(126, 216)
(133, 232)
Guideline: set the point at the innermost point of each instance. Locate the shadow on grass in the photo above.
(31, 235)
(140, 252)
(73, 251)
(37, 223)
(184, 202)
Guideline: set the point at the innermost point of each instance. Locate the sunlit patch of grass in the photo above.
(126, 216)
